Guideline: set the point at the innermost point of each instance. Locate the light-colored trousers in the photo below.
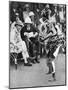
(20, 47)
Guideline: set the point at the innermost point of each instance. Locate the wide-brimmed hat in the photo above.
(31, 14)
(28, 20)
(19, 23)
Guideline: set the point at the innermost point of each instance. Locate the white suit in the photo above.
(16, 44)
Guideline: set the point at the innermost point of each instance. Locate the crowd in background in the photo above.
(54, 10)
(42, 17)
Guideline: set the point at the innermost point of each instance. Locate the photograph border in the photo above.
(65, 54)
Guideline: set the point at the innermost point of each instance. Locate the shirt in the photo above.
(24, 30)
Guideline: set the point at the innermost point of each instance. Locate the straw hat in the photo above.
(28, 20)
(19, 23)
(31, 14)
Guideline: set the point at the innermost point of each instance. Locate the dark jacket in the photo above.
(24, 29)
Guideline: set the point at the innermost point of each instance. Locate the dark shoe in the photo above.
(48, 73)
(27, 64)
(53, 75)
(33, 62)
(54, 79)
(16, 66)
(37, 61)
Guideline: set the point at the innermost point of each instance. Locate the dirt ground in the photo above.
(36, 75)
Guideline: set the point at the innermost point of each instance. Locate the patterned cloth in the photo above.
(16, 43)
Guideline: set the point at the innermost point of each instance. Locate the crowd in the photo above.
(35, 30)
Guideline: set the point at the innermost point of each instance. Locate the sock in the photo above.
(53, 75)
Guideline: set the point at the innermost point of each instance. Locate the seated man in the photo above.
(28, 34)
(19, 45)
